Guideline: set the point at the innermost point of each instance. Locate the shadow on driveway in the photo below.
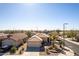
(35, 49)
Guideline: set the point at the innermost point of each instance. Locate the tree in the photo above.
(45, 31)
(53, 38)
(77, 37)
(71, 34)
(58, 31)
(9, 31)
(29, 34)
(61, 43)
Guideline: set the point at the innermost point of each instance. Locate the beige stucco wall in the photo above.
(34, 44)
(44, 38)
(8, 42)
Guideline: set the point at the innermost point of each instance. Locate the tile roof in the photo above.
(2, 36)
(18, 36)
(42, 35)
(35, 38)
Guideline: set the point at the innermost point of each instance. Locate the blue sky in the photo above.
(41, 16)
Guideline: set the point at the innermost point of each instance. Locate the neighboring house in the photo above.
(2, 36)
(14, 39)
(8, 42)
(43, 36)
(60, 37)
(34, 41)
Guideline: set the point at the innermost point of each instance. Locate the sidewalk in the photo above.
(31, 54)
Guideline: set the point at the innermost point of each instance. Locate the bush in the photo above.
(71, 34)
(29, 34)
(13, 50)
(77, 37)
(61, 43)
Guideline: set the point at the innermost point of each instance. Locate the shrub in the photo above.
(71, 34)
(61, 43)
(77, 37)
(13, 50)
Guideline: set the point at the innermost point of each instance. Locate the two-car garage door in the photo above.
(34, 46)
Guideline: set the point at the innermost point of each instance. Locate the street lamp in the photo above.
(64, 25)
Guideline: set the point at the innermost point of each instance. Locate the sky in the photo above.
(39, 16)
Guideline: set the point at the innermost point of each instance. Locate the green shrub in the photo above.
(13, 50)
(61, 43)
(71, 34)
(77, 37)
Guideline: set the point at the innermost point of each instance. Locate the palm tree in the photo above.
(53, 39)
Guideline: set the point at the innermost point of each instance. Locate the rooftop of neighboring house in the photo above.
(2, 36)
(18, 36)
(35, 38)
(42, 35)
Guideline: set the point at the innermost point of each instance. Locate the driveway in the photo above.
(32, 51)
(35, 49)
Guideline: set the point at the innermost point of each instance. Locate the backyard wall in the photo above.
(24, 47)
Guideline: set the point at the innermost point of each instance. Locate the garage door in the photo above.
(34, 49)
(34, 44)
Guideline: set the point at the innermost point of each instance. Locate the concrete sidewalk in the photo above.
(31, 53)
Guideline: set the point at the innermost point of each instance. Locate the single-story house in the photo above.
(2, 36)
(14, 39)
(34, 41)
(43, 36)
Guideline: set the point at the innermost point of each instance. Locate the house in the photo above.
(60, 37)
(34, 41)
(14, 39)
(2, 36)
(43, 36)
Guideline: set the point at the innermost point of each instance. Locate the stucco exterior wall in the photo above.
(8, 42)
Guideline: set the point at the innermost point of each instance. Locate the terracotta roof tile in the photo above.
(42, 35)
(2, 36)
(18, 36)
(35, 38)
